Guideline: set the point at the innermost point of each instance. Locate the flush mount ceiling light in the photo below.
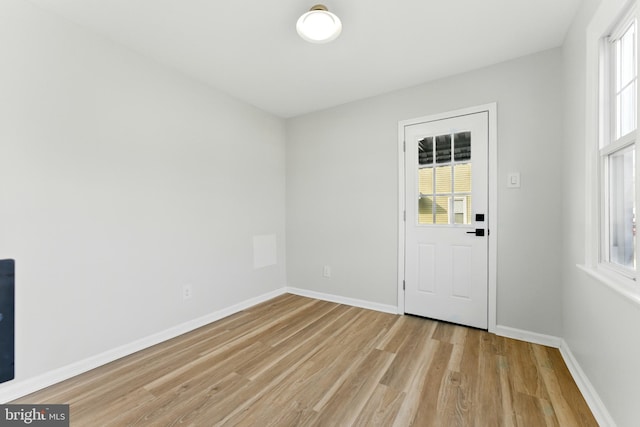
(319, 25)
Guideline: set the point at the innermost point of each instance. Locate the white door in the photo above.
(446, 196)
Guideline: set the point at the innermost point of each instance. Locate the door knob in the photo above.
(478, 232)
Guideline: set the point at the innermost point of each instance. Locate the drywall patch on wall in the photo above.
(264, 250)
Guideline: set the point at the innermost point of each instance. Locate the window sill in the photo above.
(630, 292)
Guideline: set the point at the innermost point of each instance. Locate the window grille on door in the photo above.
(444, 185)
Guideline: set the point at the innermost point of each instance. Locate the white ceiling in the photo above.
(250, 49)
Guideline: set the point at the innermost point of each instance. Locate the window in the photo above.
(445, 187)
(617, 153)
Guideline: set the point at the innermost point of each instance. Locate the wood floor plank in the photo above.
(379, 327)
(566, 384)
(506, 392)
(295, 361)
(563, 410)
(115, 413)
(413, 391)
(524, 370)
(444, 332)
(402, 371)
(488, 391)
(381, 408)
(191, 398)
(429, 411)
(296, 323)
(533, 411)
(396, 335)
(318, 330)
(214, 363)
(356, 389)
(453, 404)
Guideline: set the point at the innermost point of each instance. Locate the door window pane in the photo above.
(425, 180)
(425, 151)
(462, 143)
(425, 210)
(443, 179)
(462, 210)
(462, 178)
(622, 235)
(443, 148)
(442, 209)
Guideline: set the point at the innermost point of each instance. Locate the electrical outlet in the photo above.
(187, 292)
(326, 271)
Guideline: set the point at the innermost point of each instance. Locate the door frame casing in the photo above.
(492, 213)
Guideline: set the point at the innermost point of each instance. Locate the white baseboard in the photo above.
(532, 337)
(589, 393)
(10, 391)
(344, 300)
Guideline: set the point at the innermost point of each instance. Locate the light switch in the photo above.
(513, 180)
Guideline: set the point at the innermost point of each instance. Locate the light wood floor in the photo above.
(294, 361)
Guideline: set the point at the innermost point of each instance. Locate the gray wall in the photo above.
(120, 181)
(342, 188)
(600, 326)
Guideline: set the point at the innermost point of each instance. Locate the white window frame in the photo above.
(611, 16)
(609, 144)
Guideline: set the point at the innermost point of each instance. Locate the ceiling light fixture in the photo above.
(319, 25)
